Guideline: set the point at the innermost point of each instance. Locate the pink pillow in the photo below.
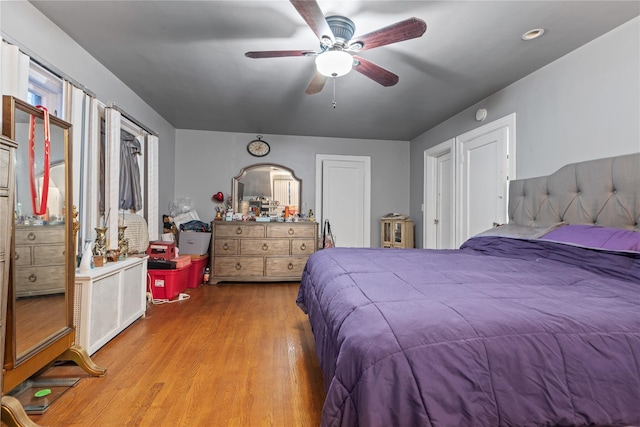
(594, 236)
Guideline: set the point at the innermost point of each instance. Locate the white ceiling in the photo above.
(186, 59)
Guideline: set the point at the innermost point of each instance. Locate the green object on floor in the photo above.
(42, 393)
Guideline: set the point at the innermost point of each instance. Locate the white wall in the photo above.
(29, 29)
(207, 161)
(583, 106)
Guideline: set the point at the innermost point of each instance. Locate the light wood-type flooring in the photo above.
(231, 355)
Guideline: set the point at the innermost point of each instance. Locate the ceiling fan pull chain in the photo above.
(334, 92)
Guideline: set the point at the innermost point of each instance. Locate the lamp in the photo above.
(334, 63)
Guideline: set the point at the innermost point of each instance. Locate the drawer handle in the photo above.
(31, 236)
(291, 231)
(225, 246)
(238, 266)
(290, 266)
(265, 247)
(33, 278)
(303, 247)
(238, 230)
(17, 256)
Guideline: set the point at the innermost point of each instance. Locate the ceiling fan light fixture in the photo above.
(334, 63)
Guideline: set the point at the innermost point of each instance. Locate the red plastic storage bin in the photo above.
(167, 284)
(196, 274)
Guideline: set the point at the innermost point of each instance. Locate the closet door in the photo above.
(483, 174)
(466, 183)
(439, 206)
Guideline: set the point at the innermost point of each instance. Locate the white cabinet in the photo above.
(108, 299)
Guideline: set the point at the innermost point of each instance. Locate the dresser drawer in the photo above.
(285, 266)
(264, 247)
(5, 156)
(39, 235)
(302, 246)
(4, 213)
(22, 255)
(290, 230)
(238, 266)
(39, 280)
(239, 231)
(48, 255)
(225, 247)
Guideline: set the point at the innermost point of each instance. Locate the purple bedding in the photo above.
(502, 332)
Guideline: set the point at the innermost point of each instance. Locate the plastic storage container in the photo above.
(194, 243)
(196, 272)
(167, 284)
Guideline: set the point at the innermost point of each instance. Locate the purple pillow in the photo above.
(594, 236)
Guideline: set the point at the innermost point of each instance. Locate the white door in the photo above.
(439, 210)
(343, 197)
(466, 183)
(484, 166)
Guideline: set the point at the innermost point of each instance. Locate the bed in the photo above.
(535, 323)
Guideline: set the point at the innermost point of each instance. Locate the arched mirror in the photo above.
(39, 311)
(265, 189)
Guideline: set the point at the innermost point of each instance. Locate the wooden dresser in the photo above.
(7, 156)
(250, 251)
(39, 260)
(7, 187)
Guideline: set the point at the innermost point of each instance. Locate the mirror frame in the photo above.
(20, 367)
(243, 172)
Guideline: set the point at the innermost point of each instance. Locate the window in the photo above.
(45, 88)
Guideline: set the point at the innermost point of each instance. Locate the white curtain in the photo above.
(112, 174)
(151, 204)
(77, 110)
(15, 71)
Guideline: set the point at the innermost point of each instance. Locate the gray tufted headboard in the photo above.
(604, 192)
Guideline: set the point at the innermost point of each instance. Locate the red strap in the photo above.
(32, 162)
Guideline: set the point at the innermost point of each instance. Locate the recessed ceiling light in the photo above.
(533, 34)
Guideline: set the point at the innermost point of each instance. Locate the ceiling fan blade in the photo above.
(317, 84)
(375, 72)
(279, 53)
(313, 16)
(400, 31)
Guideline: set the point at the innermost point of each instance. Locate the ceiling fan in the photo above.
(337, 55)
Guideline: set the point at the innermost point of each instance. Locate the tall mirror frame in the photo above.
(23, 360)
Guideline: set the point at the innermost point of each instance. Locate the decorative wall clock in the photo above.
(258, 147)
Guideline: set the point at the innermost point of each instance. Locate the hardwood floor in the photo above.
(231, 355)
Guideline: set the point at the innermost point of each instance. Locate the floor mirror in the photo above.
(40, 301)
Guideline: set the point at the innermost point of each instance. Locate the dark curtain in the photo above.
(130, 190)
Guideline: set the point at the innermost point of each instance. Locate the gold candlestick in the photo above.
(100, 247)
(123, 244)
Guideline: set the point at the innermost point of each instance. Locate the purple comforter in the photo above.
(503, 332)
